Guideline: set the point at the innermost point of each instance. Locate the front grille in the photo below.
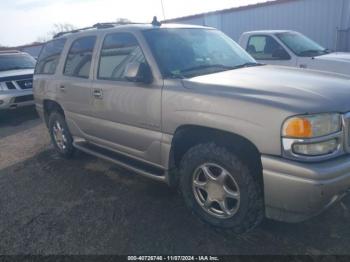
(10, 85)
(20, 99)
(348, 135)
(25, 84)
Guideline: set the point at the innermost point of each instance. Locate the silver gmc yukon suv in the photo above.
(16, 79)
(187, 106)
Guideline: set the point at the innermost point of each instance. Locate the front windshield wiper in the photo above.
(314, 52)
(180, 75)
(326, 51)
(174, 76)
(249, 64)
(200, 67)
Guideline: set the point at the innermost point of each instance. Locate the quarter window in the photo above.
(117, 52)
(266, 48)
(49, 57)
(79, 58)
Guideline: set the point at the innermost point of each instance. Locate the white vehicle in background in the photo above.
(16, 79)
(290, 48)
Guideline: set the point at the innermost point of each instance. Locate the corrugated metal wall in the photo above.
(325, 21)
(343, 37)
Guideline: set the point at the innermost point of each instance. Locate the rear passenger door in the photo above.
(75, 84)
(45, 80)
(266, 49)
(127, 115)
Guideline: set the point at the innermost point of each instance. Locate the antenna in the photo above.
(161, 1)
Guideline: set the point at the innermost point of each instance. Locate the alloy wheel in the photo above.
(59, 136)
(216, 190)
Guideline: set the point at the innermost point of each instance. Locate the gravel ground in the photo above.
(50, 205)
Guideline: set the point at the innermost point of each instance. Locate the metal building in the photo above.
(325, 21)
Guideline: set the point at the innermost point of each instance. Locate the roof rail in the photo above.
(10, 51)
(110, 24)
(72, 31)
(95, 26)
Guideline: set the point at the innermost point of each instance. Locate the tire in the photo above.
(242, 213)
(63, 144)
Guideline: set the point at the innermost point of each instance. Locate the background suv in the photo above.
(16, 79)
(188, 106)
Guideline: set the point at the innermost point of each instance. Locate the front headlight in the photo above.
(311, 126)
(2, 87)
(312, 137)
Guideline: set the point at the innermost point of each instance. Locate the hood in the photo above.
(336, 57)
(17, 72)
(286, 88)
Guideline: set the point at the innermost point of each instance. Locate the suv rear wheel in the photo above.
(220, 188)
(60, 135)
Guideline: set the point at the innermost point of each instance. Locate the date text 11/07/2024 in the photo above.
(173, 258)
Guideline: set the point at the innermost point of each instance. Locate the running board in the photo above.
(136, 166)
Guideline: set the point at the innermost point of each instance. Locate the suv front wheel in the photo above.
(220, 188)
(60, 135)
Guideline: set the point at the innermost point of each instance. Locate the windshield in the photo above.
(301, 45)
(16, 61)
(191, 52)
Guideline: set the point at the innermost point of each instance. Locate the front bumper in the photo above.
(13, 99)
(296, 191)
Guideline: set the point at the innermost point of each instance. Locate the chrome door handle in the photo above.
(97, 93)
(62, 88)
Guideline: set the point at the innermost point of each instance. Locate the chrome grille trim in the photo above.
(346, 125)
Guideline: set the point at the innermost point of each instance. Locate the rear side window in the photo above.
(49, 57)
(117, 52)
(79, 58)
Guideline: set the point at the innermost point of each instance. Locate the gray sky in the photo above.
(24, 21)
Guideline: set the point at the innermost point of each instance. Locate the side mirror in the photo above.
(280, 54)
(138, 72)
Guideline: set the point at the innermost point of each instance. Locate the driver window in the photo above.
(117, 52)
(266, 48)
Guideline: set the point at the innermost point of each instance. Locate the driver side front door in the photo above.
(127, 115)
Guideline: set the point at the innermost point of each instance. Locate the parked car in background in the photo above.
(289, 48)
(188, 106)
(16, 79)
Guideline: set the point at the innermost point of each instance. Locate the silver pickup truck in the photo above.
(290, 48)
(188, 106)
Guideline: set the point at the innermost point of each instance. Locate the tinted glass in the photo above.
(185, 52)
(117, 52)
(79, 58)
(49, 57)
(16, 61)
(301, 45)
(264, 48)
